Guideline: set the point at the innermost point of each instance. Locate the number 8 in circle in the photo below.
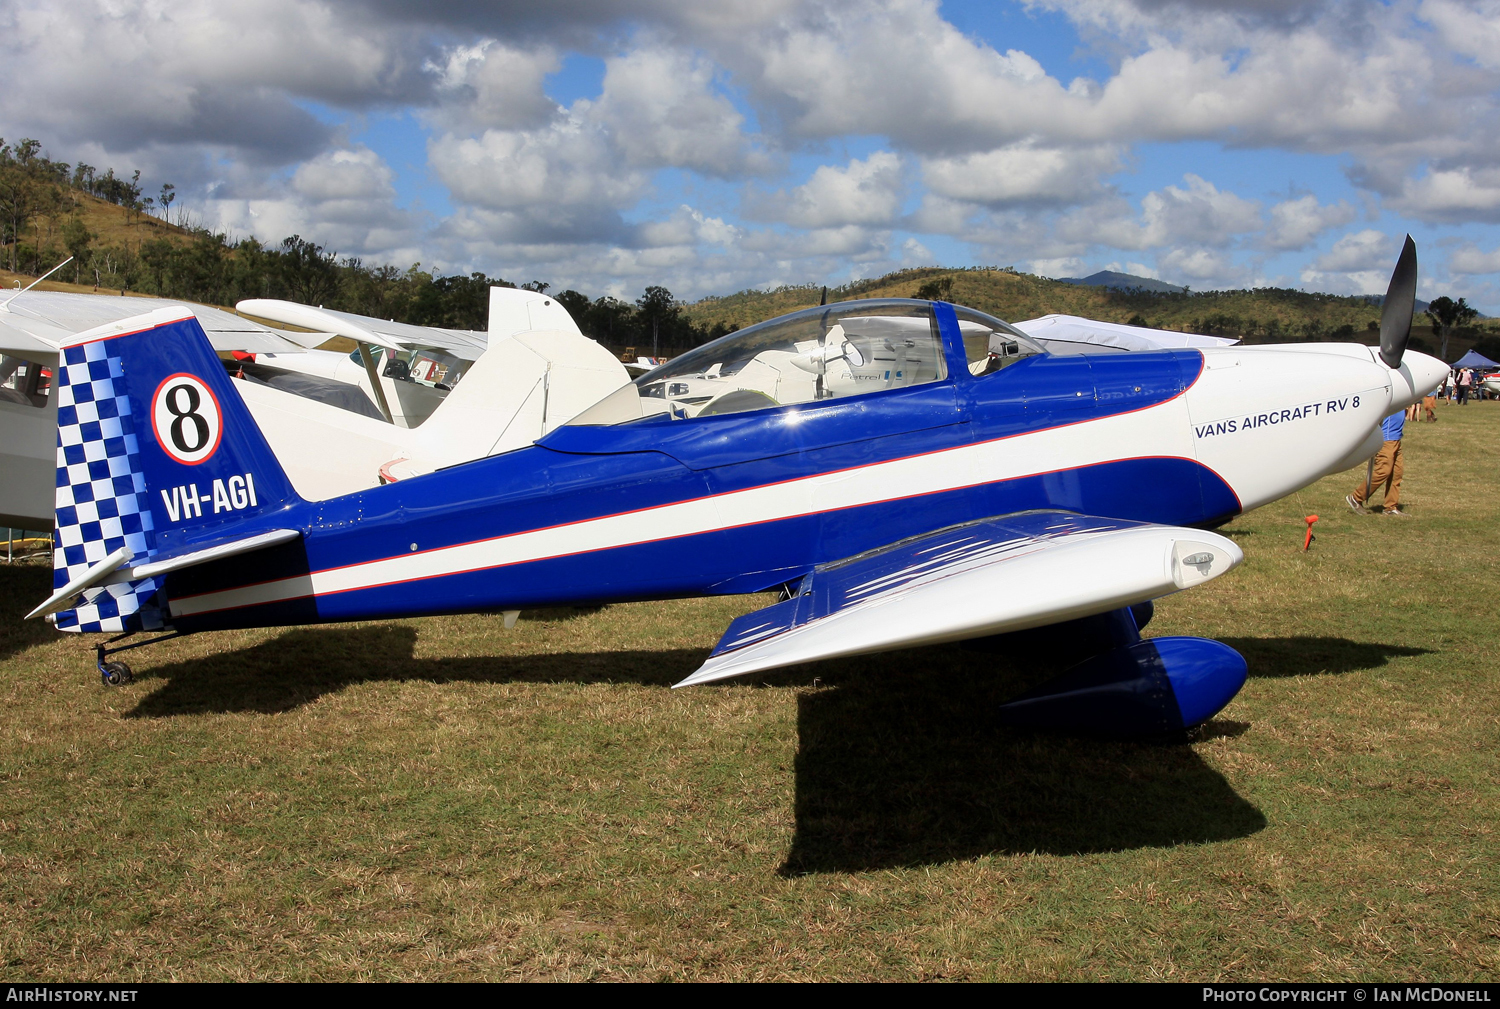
(186, 419)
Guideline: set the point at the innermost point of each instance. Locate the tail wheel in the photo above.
(115, 674)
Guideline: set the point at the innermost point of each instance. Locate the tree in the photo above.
(659, 313)
(76, 238)
(167, 196)
(465, 301)
(608, 320)
(28, 188)
(576, 304)
(83, 177)
(936, 290)
(19, 200)
(310, 274)
(1446, 315)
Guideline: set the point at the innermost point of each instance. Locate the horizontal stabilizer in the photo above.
(96, 574)
(162, 564)
(116, 567)
(987, 577)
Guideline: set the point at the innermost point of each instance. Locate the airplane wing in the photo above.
(1070, 334)
(30, 339)
(34, 322)
(464, 344)
(987, 577)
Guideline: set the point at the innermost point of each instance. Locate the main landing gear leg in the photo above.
(117, 674)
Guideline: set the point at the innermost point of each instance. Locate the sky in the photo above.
(605, 145)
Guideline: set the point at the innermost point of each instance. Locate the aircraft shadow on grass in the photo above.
(914, 771)
(303, 664)
(1271, 658)
(905, 767)
(899, 762)
(19, 584)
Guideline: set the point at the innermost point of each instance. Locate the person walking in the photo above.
(1465, 382)
(1385, 471)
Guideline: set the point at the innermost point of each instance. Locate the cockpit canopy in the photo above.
(851, 348)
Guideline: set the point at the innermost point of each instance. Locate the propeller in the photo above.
(1400, 304)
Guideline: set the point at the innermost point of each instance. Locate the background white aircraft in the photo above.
(531, 372)
(405, 370)
(521, 382)
(32, 324)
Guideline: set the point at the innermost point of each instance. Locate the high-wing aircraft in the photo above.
(486, 393)
(32, 326)
(906, 472)
(532, 372)
(407, 369)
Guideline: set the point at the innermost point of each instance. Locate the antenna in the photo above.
(13, 297)
(825, 296)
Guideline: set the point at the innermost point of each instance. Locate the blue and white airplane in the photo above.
(906, 472)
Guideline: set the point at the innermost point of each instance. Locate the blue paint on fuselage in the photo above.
(580, 473)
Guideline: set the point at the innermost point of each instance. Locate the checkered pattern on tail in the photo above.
(101, 493)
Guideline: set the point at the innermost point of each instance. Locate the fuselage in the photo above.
(666, 507)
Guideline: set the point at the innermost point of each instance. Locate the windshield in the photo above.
(991, 344)
(423, 366)
(833, 352)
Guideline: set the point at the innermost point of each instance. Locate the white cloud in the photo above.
(1358, 263)
(1061, 266)
(851, 240)
(562, 182)
(1297, 223)
(1470, 260)
(661, 108)
(1195, 215)
(688, 227)
(492, 85)
(129, 74)
(572, 177)
(914, 253)
(1022, 173)
(1472, 29)
(1206, 267)
(1201, 212)
(1363, 250)
(1456, 195)
(343, 200)
(866, 192)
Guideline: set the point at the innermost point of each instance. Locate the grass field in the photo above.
(445, 799)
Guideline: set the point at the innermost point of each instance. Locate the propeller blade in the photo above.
(1400, 303)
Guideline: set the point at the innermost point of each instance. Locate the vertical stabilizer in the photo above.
(156, 453)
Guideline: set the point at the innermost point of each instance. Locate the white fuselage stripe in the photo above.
(1164, 427)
